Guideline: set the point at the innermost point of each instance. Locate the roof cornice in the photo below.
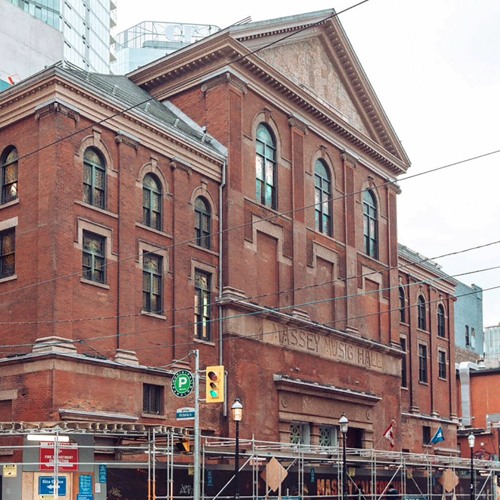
(195, 65)
(54, 87)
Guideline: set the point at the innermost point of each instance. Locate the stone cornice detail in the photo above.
(123, 138)
(57, 106)
(226, 78)
(294, 122)
(180, 164)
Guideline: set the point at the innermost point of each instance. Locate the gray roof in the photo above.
(423, 262)
(132, 97)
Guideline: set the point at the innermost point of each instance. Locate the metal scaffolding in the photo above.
(307, 471)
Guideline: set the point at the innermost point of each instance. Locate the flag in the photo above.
(438, 437)
(389, 434)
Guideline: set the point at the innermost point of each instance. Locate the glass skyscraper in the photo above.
(85, 25)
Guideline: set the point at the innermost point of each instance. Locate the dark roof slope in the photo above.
(132, 97)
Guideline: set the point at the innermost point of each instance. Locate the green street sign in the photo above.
(182, 383)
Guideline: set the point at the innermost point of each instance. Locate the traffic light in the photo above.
(183, 445)
(215, 384)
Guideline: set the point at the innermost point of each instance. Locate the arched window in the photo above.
(422, 323)
(441, 321)
(402, 305)
(94, 178)
(322, 198)
(152, 286)
(9, 175)
(370, 224)
(151, 202)
(202, 222)
(265, 167)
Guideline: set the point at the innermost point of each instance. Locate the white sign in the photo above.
(185, 414)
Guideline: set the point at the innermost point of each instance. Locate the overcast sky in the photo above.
(435, 66)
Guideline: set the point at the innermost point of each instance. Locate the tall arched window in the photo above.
(422, 322)
(441, 321)
(322, 198)
(202, 222)
(402, 305)
(370, 224)
(151, 202)
(94, 178)
(9, 175)
(152, 286)
(265, 167)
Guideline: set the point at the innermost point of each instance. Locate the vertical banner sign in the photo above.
(103, 474)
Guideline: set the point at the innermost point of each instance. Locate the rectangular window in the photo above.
(7, 253)
(473, 338)
(152, 288)
(467, 335)
(404, 381)
(202, 305)
(300, 433)
(94, 257)
(442, 364)
(426, 434)
(327, 436)
(152, 399)
(422, 363)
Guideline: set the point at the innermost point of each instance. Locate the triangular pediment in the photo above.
(309, 66)
(313, 51)
(307, 59)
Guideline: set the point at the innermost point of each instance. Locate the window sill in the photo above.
(152, 415)
(8, 278)
(94, 283)
(153, 315)
(9, 203)
(203, 341)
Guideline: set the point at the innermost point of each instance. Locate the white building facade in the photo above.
(85, 25)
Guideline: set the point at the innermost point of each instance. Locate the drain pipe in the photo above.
(221, 254)
(464, 369)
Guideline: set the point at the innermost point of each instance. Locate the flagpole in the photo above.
(393, 425)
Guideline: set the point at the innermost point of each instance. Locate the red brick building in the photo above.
(428, 399)
(237, 197)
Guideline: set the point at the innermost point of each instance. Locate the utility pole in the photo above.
(196, 475)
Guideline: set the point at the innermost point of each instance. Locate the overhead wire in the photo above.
(274, 215)
(269, 218)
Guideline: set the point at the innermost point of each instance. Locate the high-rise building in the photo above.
(21, 53)
(150, 40)
(85, 25)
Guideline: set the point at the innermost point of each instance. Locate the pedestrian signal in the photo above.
(215, 384)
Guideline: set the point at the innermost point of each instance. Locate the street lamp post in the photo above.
(344, 424)
(472, 440)
(237, 412)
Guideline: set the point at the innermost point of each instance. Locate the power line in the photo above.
(285, 213)
(267, 310)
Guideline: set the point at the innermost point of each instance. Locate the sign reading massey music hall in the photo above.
(320, 345)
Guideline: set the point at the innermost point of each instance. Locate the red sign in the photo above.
(67, 457)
